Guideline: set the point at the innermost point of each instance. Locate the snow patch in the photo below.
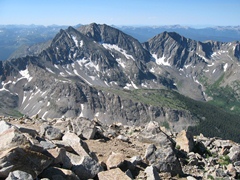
(81, 43)
(234, 47)
(4, 89)
(82, 109)
(115, 47)
(222, 52)
(68, 72)
(25, 74)
(75, 71)
(128, 86)
(134, 85)
(43, 116)
(97, 114)
(56, 66)
(39, 111)
(24, 97)
(87, 63)
(120, 63)
(106, 83)
(75, 40)
(214, 54)
(26, 106)
(93, 78)
(50, 70)
(160, 61)
(225, 67)
(205, 59)
(144, 85)
(186, 66)
(152, 70)
(195, 80)
(209, 65)
(48, 103)
(91, 64)
(43, 93)
(62, 74)
(81, 62)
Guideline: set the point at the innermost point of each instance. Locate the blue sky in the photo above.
(121, 12)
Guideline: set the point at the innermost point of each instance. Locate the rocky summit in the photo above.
(62, 148)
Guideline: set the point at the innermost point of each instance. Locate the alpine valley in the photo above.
(99, 71)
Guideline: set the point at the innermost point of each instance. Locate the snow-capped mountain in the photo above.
(91, 70)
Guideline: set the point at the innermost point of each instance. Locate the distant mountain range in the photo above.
(219, 33)
(19, 38)
(14, 37)
(100, 71)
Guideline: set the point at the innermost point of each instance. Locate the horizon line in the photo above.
(133, 25)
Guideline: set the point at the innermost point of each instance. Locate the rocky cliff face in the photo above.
(92, 71)
(193, 65)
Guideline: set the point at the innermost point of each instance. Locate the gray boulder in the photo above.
(15, 175)
(115, 160)
(71, 159)
(164, 159)
(80, 147)
(152, 134)
(84, 127)
(56, 173)
(136, 160)
(58, 155)
(87, 168)
(222, 143)
(47, 144)
(23, 159)
(234, 153)
(50, 132)
(191, 178)
(4, 126)
(12, 138)
(185, 140)
(152, 173)
(231, 170)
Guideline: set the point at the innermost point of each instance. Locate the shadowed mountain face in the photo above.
(99, 71)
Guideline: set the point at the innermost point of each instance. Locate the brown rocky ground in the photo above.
(78, 148)
(104, 149)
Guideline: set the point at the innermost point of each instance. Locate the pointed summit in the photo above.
(105, 34)
(92, 31)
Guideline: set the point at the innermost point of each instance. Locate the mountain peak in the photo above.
(175, 36)
(70, 28)
(92, 31)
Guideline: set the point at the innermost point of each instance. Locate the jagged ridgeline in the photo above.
(99, 71)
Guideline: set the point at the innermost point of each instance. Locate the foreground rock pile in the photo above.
(78, 148)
